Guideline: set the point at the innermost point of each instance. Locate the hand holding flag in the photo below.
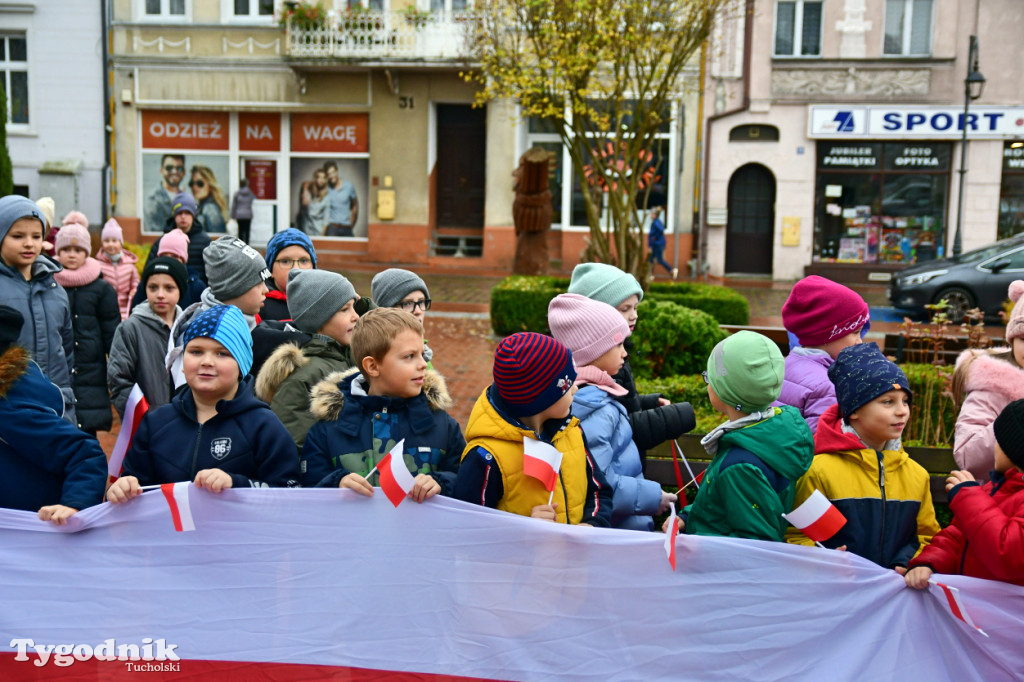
(542, 461)
(134, 410)
(395, 479)
(670, 535)
(817, 518)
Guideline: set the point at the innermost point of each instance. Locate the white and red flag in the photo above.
(176, 495)
(817, 517)
(956, 606)
(395, 479)
(542, 461)
(133, 412)
(670, 535)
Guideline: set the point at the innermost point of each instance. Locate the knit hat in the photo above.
(11, 322)
(745, 370)
(112, 230)
(860, 374)
(587, 328)
(233, 267)
(314, 296)
(175, 243)
(162, 265)
(73, 234)
(1015, 325)
(389, 287)
(290, 237)
(605, 283)
(13, 208)
(49, 209)
(1009, 430)
(184, 202)
(225, 325)
(76, 217)
(818, 311)
(532, 372)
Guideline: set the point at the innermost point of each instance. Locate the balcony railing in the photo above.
(376, 34)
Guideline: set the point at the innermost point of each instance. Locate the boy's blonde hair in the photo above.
(376, 331)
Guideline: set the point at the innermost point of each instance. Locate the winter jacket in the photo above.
(268, 336)
(198, 240)
(47, 333)
(750, 482)
(137, 357)
(991, 385)
(290, 374)
(241, 204)
(656, 235)
(244, 439)
(94, 319)
(885, 496)
(491, 473)
(44, 460)
(123, 276)
(275, 307)
(635, 500)
(192, 294)
(356, 430)
(986, 537)
(806, 385)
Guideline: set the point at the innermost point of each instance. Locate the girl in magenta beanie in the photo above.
(118, 265)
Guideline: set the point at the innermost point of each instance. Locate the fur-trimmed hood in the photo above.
(13, 365)
(987, 373)
(279, 366)
(328, 396)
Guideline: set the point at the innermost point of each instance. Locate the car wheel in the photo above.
(959, 302)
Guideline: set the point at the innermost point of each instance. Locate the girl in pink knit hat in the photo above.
(118, 266)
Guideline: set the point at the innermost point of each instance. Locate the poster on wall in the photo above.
(329, 196)
(204, 176)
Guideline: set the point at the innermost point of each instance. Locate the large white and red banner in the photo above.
(308, 584)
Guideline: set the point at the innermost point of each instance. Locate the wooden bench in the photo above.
(776, 334)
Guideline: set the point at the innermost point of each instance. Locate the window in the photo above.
(164, 8)
(798, 29)
(908, 27)
(14, 74)
(253, 8)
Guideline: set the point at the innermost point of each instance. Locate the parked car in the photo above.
(976, 279)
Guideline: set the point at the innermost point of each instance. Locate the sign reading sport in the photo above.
(932, 122)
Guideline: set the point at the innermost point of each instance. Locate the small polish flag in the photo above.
(670, 535)
(133, 413)
(817, 517)
(395, 479)
(542, 461)
(177, 499)
(956, 606)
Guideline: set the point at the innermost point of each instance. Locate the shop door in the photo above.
(461, 166)
(750, 230)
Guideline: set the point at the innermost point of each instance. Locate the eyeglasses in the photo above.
(173, 169)
(297, 262)
(705, 375)
(197, 183)
(411, 306)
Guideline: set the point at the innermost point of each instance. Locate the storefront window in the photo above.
(881, 202)
(1011, 194)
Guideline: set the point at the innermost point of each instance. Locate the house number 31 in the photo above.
(406, 102)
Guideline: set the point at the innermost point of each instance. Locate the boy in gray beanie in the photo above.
(398, 288)
(323, 304)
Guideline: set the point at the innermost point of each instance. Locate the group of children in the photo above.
(280, 374)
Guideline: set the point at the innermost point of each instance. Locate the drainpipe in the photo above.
(108, 129)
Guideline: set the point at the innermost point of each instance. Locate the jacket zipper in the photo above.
(565, 496)
(195, 451)
(881, 486)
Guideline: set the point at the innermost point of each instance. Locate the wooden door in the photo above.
(750, 230)
(461, 165)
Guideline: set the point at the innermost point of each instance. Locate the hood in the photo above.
(589, 399)
(127, 257)
(783, 442)
(244, 401)
(144, 311)
(832, 439)
(13, 365)
(327, 398)
(487, 421)
(42, 268)
(287, 358)
(986, 373)
(23, 383)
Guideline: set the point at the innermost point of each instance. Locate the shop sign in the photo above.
(262, 177)
(863, 156)
(185, 129)
(982, 122)
(258, 132)
(335, 133)
(923, 156)
(1013, 157)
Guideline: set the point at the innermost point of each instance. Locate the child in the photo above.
(174, 245)
(27, 285)
(531, 397)
(184, 218)
(758, 453)
(986, 537)
(392, 396)
(285, 251)
(49, 209)
(656, 243)
(983, 384)
(861, 466)
(595, 333)
(95, 316)
(47, 464)
(215, 433)
(140, 343)
(323, 304)
(826, 318)
(651, 417)
(118, 266)
(397, 288)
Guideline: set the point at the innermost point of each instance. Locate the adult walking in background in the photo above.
(656, 243)
(241, 209)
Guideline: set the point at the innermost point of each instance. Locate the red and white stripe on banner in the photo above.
(956, 606)
(177, 500)
(134, 411)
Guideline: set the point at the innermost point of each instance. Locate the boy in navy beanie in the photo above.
(861, 466)
(531, 398)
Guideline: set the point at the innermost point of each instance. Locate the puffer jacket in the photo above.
(635, 500)
(44, 459)
(991, 385)
(122, 275)
(806, 385)
(986, 537)
(356, 430)
(244, 439)
(137, 357)
(47, 333)
(885, 496)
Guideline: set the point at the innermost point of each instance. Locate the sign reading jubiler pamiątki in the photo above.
(932, 122)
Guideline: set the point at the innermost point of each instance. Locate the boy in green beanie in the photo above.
(758, 454)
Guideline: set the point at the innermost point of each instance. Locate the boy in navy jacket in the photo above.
(393, 396)
(214, 432)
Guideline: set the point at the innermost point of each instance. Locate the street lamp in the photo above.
(973, 86)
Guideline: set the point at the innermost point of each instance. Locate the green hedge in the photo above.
(520, 303)
(670, 340)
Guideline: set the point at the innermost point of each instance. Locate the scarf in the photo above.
(87, 273)
(600, 378)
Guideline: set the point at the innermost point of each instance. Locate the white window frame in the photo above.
(7, 66)
(227, 12)
(798, 29)
(165, 17)
(908, 24)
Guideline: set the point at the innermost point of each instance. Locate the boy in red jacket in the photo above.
(986, 537)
